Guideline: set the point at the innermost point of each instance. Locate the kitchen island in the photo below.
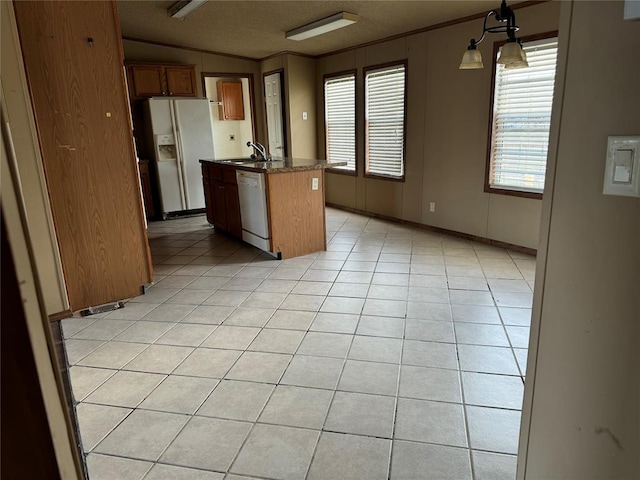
(277, 206)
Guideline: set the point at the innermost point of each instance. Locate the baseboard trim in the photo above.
(56, 317)
(453, 233)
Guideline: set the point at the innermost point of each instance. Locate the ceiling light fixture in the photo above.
(511, 56)
(184, 7)
(322, 26)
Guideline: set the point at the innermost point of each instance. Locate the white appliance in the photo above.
(253, 209)
(181, 134)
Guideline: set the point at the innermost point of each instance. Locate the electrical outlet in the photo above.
(232, 138)
(314, 184)
(432, 207)
(305, 115)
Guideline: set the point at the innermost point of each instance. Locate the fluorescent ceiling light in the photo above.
(324, 25)
(183, 8)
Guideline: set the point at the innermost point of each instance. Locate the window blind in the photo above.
(340, 116)
(521, 119)
(384, 115)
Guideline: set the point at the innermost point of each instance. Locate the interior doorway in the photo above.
(274, 100)
(232, 113)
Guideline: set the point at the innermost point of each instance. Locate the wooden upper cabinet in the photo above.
(151, 80)
(230, 98)
(146, 81)
(181, 81)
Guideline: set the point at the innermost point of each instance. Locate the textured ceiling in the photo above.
(256, 28)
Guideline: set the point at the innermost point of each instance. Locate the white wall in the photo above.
(581, 416)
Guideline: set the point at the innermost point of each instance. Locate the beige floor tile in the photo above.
(297, 407)
(210, 315)
(249, 317)
(143, 435)
(159, 359)
(178, 394)
(493, 429)
(106, 467)
(369, 377)
(411, 460)
(376, 349)
(113, 355)
(428, 330)
(171, 472)
(487, 390)
(431, 422)
(350, 457)
(207, 443)
(325, 344)
(96, 421)
(237, 400)
(125, 389)
(430, 384)
(335, 323)
(259, 367)
(276, 452)
(310, 371)
(429, 354)
(361, 414)
(291, 320)
(85, 380)
(277, 341)
(208, 362)
(231, 337)
(494, 466)
(185, 334)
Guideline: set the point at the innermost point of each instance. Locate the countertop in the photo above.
(285, 165)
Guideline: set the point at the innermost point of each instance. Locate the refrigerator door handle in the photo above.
(182, 166)
(179, 159)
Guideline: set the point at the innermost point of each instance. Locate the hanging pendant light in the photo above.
(511, 56)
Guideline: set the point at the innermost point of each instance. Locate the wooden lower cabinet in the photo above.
(221, 198)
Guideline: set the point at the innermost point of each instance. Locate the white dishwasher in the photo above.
(253, 208)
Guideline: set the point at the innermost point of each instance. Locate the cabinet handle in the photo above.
(164, 93)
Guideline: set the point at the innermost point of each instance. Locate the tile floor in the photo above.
(398, 353)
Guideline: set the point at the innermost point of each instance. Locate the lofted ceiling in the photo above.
(256, 29)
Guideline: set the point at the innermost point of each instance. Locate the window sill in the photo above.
(513, 193)
(384, 177)
(349, 173)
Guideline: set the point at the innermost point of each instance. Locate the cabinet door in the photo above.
(208, 199)
(233, 210)
(230, 94)
(181, 81)
(219, 206)
(146, 81)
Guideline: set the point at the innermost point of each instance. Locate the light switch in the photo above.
(305, 115)
(622, 166)
(622, 171)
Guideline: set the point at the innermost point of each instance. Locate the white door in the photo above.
(275, 114)
(195, 141)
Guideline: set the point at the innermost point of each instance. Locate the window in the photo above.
(521, 117)
(340, 118)
(385, 100)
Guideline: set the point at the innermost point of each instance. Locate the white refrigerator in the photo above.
(180, 134)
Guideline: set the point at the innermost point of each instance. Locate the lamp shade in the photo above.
(511, 53)
(471, 59)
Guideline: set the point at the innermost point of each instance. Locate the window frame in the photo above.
(329, 76)
(487, 175)
(382, 66)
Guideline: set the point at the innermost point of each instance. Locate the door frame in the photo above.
(249, 77)
(285, 142)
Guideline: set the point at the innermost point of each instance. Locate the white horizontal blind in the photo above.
(340, 115)
(521, 119)
(384, 116)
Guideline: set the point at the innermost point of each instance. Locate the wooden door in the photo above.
(74, 64)
(146, 81)
(181, 81)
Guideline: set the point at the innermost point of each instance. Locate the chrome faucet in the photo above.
(258, 147)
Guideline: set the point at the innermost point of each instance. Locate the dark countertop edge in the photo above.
(300, 168)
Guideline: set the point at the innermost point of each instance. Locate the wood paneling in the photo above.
(74, 64)
(296, 213)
